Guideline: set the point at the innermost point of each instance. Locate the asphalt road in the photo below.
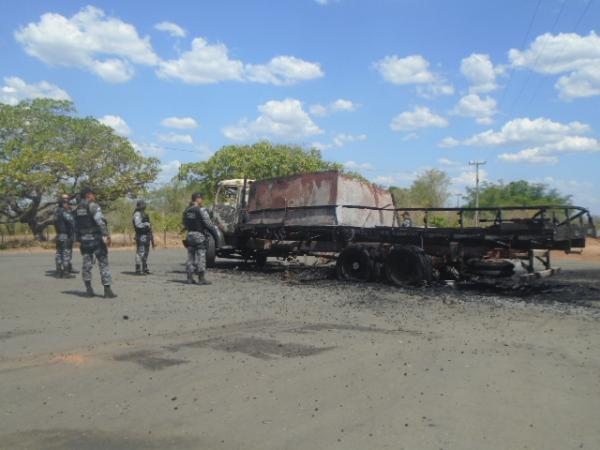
(288, 359)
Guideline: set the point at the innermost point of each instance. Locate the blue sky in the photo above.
(388, 87)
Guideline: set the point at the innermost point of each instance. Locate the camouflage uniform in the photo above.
(196, 252)
(91, 230)
(197, 223)
(65, 233)
(143, 239)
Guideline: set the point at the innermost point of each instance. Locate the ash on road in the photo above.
(287, 359)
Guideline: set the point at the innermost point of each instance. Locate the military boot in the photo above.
(89, 290)
(108, 293)
(138, 269)
(146, 270)
(69, 269)
(190, 278)
(59, 271)
(202, 279)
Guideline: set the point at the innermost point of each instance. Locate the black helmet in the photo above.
(85, 191)
(140, 204)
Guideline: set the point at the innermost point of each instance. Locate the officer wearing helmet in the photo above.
(64, 225)
(143, 237)
(94, 239)
(197, 223)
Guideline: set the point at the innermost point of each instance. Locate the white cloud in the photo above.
(448, 163)
(420, 117)
(106, 46)
(175, 138)
(179, 122)
(168, 171)
(16, 89)
(149, 149)
(524, 131)
(540, 140)
(575, 56)
(467, 177)
(208, 63)
(172, 28)
(413, 69)
(449, 142)
(529, 156)
(396, 179)
(278, 119)
(353, 165)
(205, 63)
(116, 123)
(283, 70)
(546, 153)
(481, 109)
(480, 72)
(339, 140)
(410, 137)
(338, 105)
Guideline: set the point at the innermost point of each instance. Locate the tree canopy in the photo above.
(428, 190)
(45, 150)
(516, 193)
(257, 161)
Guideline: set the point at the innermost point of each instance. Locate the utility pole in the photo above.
(458, 197)
(477, 164)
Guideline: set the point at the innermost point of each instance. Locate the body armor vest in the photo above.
(193, 220)
(61, 225)
(144, 230)
(84, 220)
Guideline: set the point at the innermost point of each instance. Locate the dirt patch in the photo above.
(149, 360)
(256, 347)
(4, 335)
(343, 327)
(61, 439)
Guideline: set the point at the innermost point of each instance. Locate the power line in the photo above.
(539, 53)
(579, 20)
(512, 70)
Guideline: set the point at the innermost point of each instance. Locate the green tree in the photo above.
(45, 150)
(516, 193)
(257, 161)
(428, 190)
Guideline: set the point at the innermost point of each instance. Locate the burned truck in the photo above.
(357, 224)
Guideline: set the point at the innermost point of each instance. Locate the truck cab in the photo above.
(228, 205)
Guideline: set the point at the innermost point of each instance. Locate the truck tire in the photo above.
(491, 267)
(260, 260)
(211, 251)
(408, 264)
(354, 264)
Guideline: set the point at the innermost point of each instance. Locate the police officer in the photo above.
(143, 237)
(94, 239)
(64, 225)
(197, 223)
(406, 220)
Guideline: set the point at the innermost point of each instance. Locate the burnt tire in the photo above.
(211, 251)
(491, 268)
(260, 260)
(408, 264)
(354, 264)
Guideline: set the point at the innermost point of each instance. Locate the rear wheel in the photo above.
(260, 260)
(354, 264)
(408, 265)
(211, 251)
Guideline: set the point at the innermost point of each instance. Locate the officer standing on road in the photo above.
(65, 234)
(143, 237)
(94, 239)
(197, 223)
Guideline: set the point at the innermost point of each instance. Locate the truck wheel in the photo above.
(354, 264)
(260, 260)
(491, 267)
(211, 252)
(408, 264)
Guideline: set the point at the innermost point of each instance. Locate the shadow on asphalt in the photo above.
(80, 294)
